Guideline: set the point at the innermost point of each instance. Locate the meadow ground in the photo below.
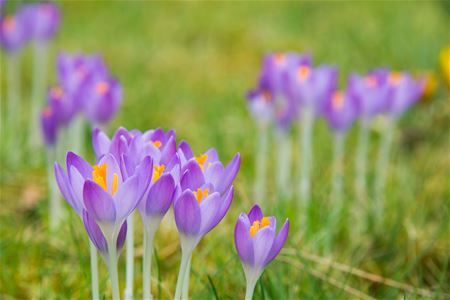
(188, 66)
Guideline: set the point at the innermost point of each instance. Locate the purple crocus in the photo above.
(62, 103)
(257, 243)
(42, 19)
(404, 92)
(13, 32)
(102, 98)
(206, 196)
(49, 125)
(371, 92)
(311, 87)
(340, 111)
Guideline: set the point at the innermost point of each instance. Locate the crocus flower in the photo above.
(206, 197)
(102, 98)
(49, 125)
(43, 20)
(13, 32)
(340, 111)
(63, 104)
(404, 92)
(101, 195)
(257, 243)
(311, 87)
(371, 92)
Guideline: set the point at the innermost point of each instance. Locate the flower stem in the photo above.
(13, 108)
(185, 294)
(147, 263)
(361, 159)
(129, 271)
(185, 258)
(336, 192)
(250, 289)
(260, 166)
(283, 165)
(382, 166)
(37, 94)
(94, 271)
(112, 267)
(54, 200)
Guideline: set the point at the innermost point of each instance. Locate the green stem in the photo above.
(185, 294)
(13, 109)
(129, 271)
(250, 289)
(94, 271)
(283, 163)
(112, 267)
(147, 263)
(185, 258)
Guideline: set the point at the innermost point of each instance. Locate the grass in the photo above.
(187, 66)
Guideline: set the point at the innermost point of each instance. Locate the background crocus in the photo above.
(206, 197)
(42, 22)
(404, 91)
(257, 244)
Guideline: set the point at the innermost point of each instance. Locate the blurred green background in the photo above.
(188, 66)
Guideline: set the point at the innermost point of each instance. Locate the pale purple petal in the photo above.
(242, 239)
(262, 245)
(82, 166)
(278, 243)
(122, 236)
(100, 142)
(193, 176)
(187, 214)
(230, 173)
(209, 208)
(160, 196)
(95, 233)
(66, 189)
(98, 203)
(127, 197)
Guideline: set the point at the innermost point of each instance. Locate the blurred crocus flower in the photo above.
(206, 197)
(309, 86)
(257, 243)
(102, 98)
(43, 20)
(371, 92)
(444, 59)
(63, 104)
(13, 32)
(404, 92)
(49, 125)
(340, 111)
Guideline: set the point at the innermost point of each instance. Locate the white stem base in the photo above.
(94, 271)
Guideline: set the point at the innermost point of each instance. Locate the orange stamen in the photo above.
(157, 144)
(9, 23)
(47, 112)
(370, 81)
(395, 78)
(102, 87)
(303, 73)
(338, 100)
(259, 224)
(200, 194)
(157, 172)
(57, 92)
(201, 160)
(279, 58)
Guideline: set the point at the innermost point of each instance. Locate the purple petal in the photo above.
(242, 239)
(79, 163)
(230, 173)
(212, 156)
(186, 150)
(160, 196)
(66, 190)
(95, 233)
(77, 183)
(255, 214)
(100, 142)
(223, 209)
(262, 245)
(98, 203)
(193, 177)
(278, 243)
(214, 173)
(169, 150)
(187, 214)
(127, 197)
(122, 236)
(209, 208)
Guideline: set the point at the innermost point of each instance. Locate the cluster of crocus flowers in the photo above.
(36, 24)
(85, 89)
(257, 244)
(291, 88)
(147, 172)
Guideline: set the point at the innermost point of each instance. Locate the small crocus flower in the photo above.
(311, 87)
(63, 104)
(13, 32)
(43, 20)
(404, 92)
(371, 92)
(257, 243)
(102, 98)
(261, 105)
(340, 111)
(49, 125)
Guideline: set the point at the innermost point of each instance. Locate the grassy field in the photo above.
(188, 66)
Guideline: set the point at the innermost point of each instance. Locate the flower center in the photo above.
(370, 81)
(99, 177)
(200, 194)
(201, 160)
(395, 78)
(56, 92)
(102, 87)
(157, 144)
(9, 23)
(303, 73)
(47, 112)
(258, 224)
(338, 100)
(267, 96)
(157, 172)
(279, 58)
